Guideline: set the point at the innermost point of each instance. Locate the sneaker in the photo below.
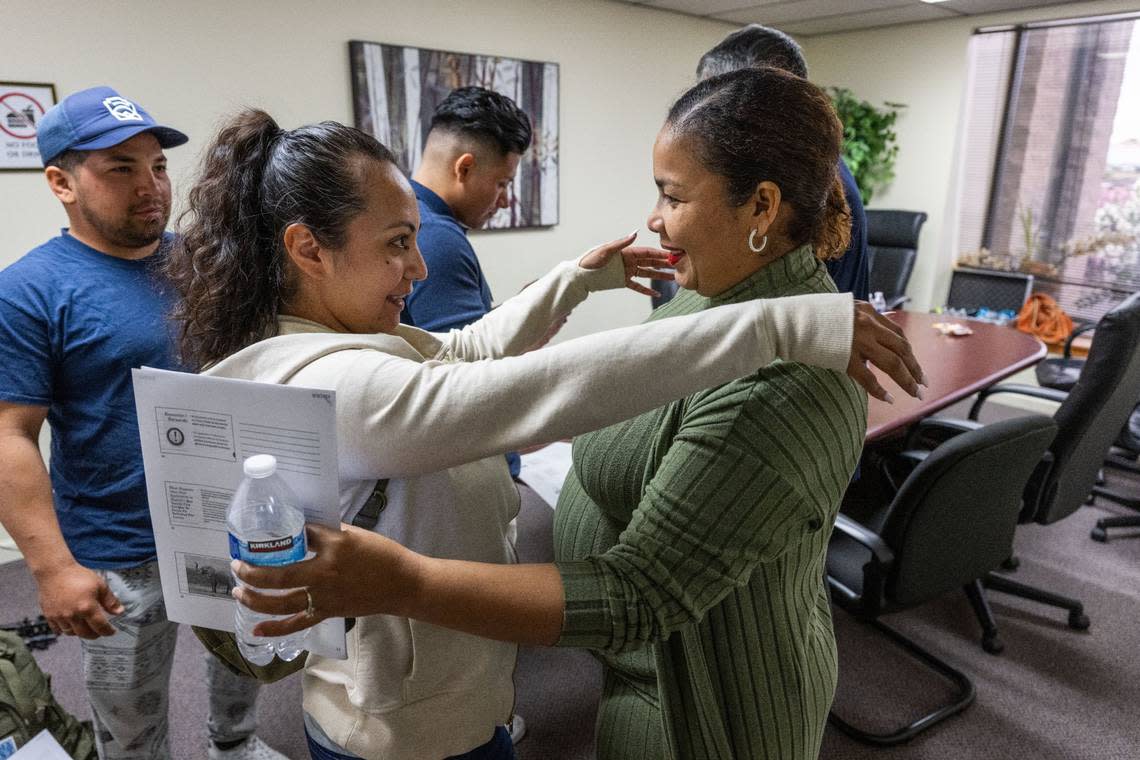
(517, 728)
(251, 749)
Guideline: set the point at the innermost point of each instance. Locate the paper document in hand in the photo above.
(545, 470)
(42, 746)
(196, 432)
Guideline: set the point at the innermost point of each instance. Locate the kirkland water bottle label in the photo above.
(277, 551)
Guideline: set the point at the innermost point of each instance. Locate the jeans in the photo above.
(499, 748)
(128, 676)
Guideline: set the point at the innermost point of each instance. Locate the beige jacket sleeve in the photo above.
(520, 322)
(399, 418)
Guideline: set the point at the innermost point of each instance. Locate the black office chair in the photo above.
(892, 247)
(1124, 455)
(1062, 373)
(1089, 420)
(974, 289)
(951, 522)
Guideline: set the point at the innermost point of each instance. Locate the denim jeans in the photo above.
(499, 748)
(128, 676)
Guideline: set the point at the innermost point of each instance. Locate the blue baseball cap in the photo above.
(97, 118)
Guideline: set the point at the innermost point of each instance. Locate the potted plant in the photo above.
(869, 140)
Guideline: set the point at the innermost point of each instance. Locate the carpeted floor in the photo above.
(1053, 694)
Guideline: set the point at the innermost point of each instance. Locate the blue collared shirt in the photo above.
(455, 293)
(851, 271)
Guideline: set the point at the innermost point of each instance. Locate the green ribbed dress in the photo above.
(691, 545)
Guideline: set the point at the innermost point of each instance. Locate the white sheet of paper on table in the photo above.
(196, 431)
(546, 469)
(42, 746)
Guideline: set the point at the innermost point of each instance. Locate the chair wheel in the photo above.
(992, 644)
(1079, 621)
(1099, 534)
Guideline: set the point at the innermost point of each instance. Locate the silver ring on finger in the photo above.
(310, 611)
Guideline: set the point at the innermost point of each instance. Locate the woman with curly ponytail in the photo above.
(299, 247)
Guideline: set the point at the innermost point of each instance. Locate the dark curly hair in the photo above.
(229, 265)
(765, 124)
(486, 116)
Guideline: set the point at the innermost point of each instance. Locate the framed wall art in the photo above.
(396, 88)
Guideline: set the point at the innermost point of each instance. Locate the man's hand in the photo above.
(76, 601)
(639, 261)
(881, 342)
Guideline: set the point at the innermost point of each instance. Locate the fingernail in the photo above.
(634, 233)
(235, 592)
(889, 399)
(918, 393)
(234, 566)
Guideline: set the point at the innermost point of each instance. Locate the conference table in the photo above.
(956, 367)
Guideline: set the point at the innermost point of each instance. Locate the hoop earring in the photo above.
(752, 242)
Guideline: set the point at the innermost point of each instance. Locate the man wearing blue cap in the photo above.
(76, 315)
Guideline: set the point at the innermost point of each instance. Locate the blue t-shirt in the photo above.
(73, 323)
(455, 293)
(851, 271)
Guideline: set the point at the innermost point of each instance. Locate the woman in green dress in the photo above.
(690, 540)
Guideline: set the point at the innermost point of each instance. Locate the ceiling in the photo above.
(807, 17)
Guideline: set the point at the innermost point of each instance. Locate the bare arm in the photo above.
(73, 598)
(519, 603)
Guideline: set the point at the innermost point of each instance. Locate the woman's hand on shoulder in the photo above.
(879, 341)
(355, 573)
(639, 261)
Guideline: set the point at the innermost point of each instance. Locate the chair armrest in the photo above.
(1049, 394)
(1077, 331)
(1034, 494)
(896, 468)
(941, 429)
(864, 536)
(897, 302)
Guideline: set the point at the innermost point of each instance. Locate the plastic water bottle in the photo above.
(878, 303)
(266, 528)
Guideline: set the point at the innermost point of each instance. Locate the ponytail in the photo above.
(229, 266)
(834, 232)
(226, 265)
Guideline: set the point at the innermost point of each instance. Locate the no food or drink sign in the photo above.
(22, 106)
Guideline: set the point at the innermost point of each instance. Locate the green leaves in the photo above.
(869, 139)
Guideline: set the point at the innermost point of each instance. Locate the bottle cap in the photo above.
(260, 466)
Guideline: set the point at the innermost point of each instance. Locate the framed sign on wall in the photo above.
(22, 105)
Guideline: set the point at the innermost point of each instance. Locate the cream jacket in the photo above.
(434, 413)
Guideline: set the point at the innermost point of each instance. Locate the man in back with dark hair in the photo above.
(470, 158)
(756, 45)
(472, 152)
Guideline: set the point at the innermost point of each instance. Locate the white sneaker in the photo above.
(517, 727)
(251, 749)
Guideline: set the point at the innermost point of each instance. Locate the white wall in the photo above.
(923, 66)
(192, 64)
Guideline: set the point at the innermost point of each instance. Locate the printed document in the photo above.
(545, 470)
(196, 432)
